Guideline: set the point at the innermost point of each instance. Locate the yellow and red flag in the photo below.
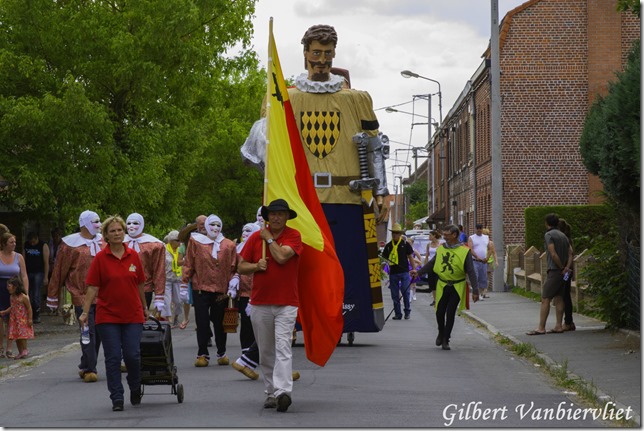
(287, 176)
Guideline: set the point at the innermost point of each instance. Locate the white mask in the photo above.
(260, 219)
(134, 224)
(248, 230)
(213, 226)
(91, 221)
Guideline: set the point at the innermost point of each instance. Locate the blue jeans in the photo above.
(125, 338)
(89, 352)
(399, 285)
(35, 286)
(481, 274)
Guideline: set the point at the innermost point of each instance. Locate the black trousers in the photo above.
(446, 311)
(567, 300)
(246, 335)
(209, 307)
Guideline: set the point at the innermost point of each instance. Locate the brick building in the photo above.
(556, 56)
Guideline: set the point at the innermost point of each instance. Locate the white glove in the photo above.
(248, 309)
(233, 286)
(52, 303)
(159, 303)
(184, 295)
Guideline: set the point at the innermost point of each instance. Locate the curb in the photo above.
(601, 396)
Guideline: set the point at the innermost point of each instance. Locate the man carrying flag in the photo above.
(274, 297)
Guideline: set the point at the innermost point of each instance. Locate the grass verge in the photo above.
(585, 391)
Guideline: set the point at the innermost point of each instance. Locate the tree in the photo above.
(127, 106)
(610, 148)
(610, 141)
(417, 195)
(629, 5)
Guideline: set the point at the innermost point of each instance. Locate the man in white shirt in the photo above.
(481, 250)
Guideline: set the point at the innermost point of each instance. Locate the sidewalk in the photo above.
(52, 337)
(611, 361)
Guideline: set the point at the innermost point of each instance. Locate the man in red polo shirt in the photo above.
(274, 298)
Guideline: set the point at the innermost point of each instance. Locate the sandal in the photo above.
(22, 354)
(183, 325)
(2, 355)
(9, 355)
(535, 333)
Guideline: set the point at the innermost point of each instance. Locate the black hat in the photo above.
(277, 205)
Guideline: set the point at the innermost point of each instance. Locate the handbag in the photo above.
(231, 317)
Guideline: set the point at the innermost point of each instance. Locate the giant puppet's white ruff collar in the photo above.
(333, 85)
(134, 242)
(76, 240)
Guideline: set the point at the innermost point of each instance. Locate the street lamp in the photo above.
(397, 199)
(429, 124)
(410, 74)
(389, 109)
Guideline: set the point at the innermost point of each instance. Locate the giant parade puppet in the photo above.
(346, 157)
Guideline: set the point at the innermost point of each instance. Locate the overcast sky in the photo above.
(377, 39)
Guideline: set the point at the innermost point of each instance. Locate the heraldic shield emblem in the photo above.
(320, 131)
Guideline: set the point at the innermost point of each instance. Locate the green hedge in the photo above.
(586, 221)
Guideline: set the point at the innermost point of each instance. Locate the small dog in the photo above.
(69, 316)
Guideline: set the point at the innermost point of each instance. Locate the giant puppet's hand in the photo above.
(254, 149)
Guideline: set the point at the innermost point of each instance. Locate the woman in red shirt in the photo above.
(116, 276)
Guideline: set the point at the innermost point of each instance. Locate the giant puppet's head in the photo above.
(319, 51)
(134, 225)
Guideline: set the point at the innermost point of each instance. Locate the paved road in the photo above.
(395, 378)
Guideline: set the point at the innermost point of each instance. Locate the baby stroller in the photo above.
(157, 359)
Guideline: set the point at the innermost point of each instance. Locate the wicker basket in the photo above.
(231, 317)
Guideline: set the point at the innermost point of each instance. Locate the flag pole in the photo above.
(269, 67)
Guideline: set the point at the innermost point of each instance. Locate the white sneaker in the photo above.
(414, 297)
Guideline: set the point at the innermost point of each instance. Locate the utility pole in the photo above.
(497, 172)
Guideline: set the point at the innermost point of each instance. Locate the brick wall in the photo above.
(544, 93)
(556, 55)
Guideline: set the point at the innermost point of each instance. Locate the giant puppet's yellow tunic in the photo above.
(450, 267)
(328, 116)
(327, 123)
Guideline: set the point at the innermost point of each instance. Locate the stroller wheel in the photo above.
(180, 393)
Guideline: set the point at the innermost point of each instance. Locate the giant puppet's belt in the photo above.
(326, 180)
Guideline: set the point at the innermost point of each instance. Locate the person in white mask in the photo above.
(211, 264)
(151, 251)
(246, 336)
(75, 255)
(260, 220)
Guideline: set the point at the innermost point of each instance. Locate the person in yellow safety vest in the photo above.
(453, 261)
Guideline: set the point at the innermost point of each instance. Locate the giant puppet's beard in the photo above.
(320, 76)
